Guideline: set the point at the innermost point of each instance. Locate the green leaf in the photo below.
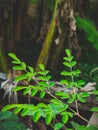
(81, 82)
(73, 63)
(18, 88)
(48, 77)
(41, 66)
(17, 110)
(36, 116)
(23, 65)
(24, 112)
(17, 68)
(7, 107)
(84, 94)
(77, 72)
(80, 98)
(15, 62)
(95, 109)
(42, 94)
(64, 118)
(63, 95)
(55, 101)
(66, 58)
(13, 56)
(42, 78)
(65, 82)
(68, 52)
(95, 92)
(67, 64)
(58, 126)
(70, 114)
(51, 84)
(21, 77)
(48, 119)
(10, 106)
(30, 74)
(46, 72)
(70, 100)
(66, 73)
(27, 91)
(42, 73)
(42, 105)
(33, 92)
(43, 84)
(30, 69)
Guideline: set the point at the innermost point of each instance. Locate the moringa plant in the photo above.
(60, 101)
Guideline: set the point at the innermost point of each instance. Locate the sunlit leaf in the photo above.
(21, 77)
(17, 110)
(58, 126)
(80, 98)
(51, 84)
(17, 68)
(84, 94)
(42, 78)
(42, 94)
(33, 92)
(65, 82)
(36, 116)
(71, 99)
(81, 82)
(15, 62)
(13, 56)
(95, 109)
(67, 64)
(27, 91)
(24, 112)
(18, 88)
(30, 69)
(42, 105)
(48, 119)
(64, 118)
(48, 77)
(65, 73)
(23, 64)
(73, 63)
(41, 66)
(68, 52)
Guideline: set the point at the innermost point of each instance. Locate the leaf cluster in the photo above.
(57, 104)
(90, 30)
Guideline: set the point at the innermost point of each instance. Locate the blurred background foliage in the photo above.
(38, 31)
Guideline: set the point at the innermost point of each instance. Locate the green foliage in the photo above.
(58, 126)
(82, 127)
(95, 109)
(90, 73)
(9, 121)
(72, 73)
(90, 30)
(43, 85)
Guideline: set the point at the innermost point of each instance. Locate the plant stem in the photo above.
(75, 112)
(72, 79)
